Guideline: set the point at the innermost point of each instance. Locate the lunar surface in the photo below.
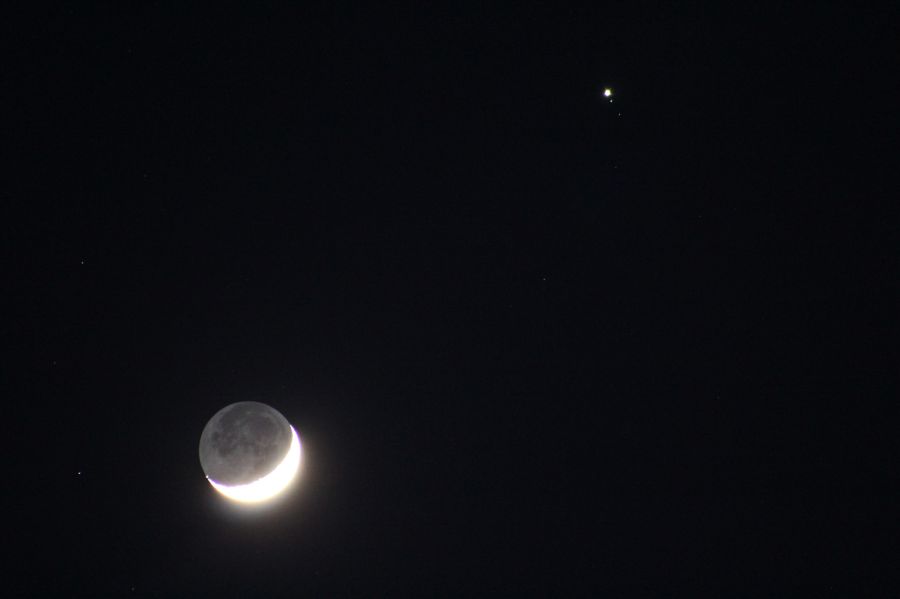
(249, 452)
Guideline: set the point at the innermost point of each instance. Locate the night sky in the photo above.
(534, 341)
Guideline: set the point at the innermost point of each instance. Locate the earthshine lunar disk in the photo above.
(249, 452)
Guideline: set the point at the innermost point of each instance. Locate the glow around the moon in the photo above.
(271, 484)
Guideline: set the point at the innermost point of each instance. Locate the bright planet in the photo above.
(249, 452)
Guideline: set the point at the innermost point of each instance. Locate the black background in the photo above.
(533, 341)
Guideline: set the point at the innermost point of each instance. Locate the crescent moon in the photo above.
(271, 484)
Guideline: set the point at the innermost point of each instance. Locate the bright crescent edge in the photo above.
(271, 484)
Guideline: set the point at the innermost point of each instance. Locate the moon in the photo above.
(249, 452)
